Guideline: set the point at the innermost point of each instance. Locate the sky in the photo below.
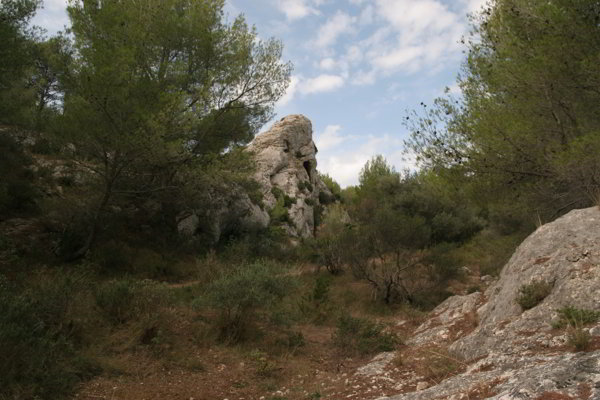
(359, 66)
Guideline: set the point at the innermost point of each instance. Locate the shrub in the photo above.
(114, 256)
(314, 304)
(124, 300)
(363, 336)
(532, 294)
(579, 338)
(38, 339)
(279, 213)
(17, 192)
(575, 319)
(278, 193)
(326, 198)
(239, 295)
(288, 201)
(572, 316)
(302, 185)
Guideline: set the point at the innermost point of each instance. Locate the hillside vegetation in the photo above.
(141, 112)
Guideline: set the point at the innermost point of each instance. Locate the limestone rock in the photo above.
(565, 252)
(286, 166)
(514, 354)
(286, 172)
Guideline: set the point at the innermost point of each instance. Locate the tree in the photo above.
(398, 220)
(530, 85)
(160, 86)
(15, 53)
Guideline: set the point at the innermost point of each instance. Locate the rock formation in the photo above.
(289, 182)
(287, 172)
(506, 353)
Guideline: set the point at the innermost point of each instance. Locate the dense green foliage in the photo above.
(574, 317)
(527, 128)
(17, 191)
(402, 232)
(239, 295)
(534, 293)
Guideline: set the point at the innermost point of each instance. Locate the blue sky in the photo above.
(358, 66)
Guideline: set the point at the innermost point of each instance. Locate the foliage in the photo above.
(404, 227)
(279, 213)
(38, 339)
(333, 237)
(332, 185)
(573, 316)
(212, 85)
(527, 109)
(15, 55)
(17, 191)
(315, 304)
(532, 294)
(579, 338)
(240, 294)
(363, 336)
(124, 300)
(305, 185)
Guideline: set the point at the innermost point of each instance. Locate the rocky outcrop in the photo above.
(290, 186)
(286, 169)
(503, 352)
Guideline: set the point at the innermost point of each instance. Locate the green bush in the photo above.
(288, 201)
(326, 198)
(579, 338)
(279, 213)
(278, 193)
(302, 185)
(38, 339)
(533, 294)
(363, 336)
(17, 192)
(572, 316)
(114, 256)
(125, 300)
(315, 305)
(239, 296)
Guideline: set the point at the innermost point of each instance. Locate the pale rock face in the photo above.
(285, 159)
(514, 354)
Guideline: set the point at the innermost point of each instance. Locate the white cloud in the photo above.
(474, 5)
(413, 35)
(322, 83)
(365, 77)
(398, 57)
(329, 138)
(335, 26)
(366, 16)
(296, 9)
(300, 85)
(327, 64)
(52, 16)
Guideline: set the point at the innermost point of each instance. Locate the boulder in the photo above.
(565, 254)
(286, 168)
